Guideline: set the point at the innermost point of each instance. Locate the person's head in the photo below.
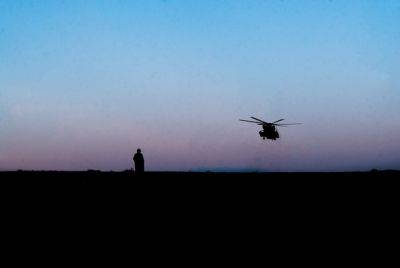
(138, 150)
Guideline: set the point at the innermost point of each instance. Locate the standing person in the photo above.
(139, 162)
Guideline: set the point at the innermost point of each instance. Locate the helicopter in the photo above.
(269, 129)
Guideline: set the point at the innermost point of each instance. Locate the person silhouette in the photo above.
(139, 162)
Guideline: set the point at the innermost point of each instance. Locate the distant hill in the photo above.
(228, 169)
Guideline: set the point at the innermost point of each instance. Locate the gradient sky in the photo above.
(84, 83)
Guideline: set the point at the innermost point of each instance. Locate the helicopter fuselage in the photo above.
(269, 132)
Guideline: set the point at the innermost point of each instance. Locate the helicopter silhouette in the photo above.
(269, 129)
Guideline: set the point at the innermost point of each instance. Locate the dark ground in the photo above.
(202, 185)
(218, 193)
(289, 217)
(285, 197)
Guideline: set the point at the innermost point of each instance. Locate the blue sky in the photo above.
(84, 83)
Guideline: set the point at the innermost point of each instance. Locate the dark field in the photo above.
(203, 184)
(98, 178)
(277, 206)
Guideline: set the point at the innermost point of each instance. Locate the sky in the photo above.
(85, 83)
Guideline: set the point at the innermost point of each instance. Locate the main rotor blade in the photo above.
(259, 120)
(250, 121)
(278, 121)
(290, 124)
